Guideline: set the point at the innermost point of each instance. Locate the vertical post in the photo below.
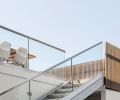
(28, 53)
(103, 93)
(71, 74)
(29, 93)
(101, 62)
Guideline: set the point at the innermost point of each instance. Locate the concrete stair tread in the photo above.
(59, 95)
(63, 90)
(70, 85)
(53, 99)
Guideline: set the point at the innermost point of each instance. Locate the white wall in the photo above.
(112, 95)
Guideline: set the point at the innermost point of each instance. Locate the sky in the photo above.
(72, 25)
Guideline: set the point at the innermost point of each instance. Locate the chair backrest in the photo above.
(5, 50)
(21, 56)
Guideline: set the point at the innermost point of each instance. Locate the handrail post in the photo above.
(28, 93)
(71, 74)
(28, 52)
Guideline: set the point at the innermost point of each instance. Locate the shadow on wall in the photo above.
(112, 85)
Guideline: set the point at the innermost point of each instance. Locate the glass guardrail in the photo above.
(77, 69)
(40, 55)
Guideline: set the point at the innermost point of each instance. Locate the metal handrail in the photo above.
(85, 86)
(51, 68)
(23, 35)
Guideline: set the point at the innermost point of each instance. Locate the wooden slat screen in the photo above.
(79, 71)
(112, 67)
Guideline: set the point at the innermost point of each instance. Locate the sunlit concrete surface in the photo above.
(112, 95)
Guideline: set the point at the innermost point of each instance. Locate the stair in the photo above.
(62, 91)
(70, 85)
(94, 96)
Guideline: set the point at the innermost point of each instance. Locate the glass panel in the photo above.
(19, 93)
(61, 72)
(16, 42)
(87, 65)
(41, 56)
(44, 56)
(75, 70)
(40, 88)
(50, 80)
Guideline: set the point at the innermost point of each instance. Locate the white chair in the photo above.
(5, 51)
(20, 58)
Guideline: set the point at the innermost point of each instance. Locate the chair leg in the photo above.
(1, 60)
(79, 81)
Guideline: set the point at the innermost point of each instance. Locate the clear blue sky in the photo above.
(72, 25)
